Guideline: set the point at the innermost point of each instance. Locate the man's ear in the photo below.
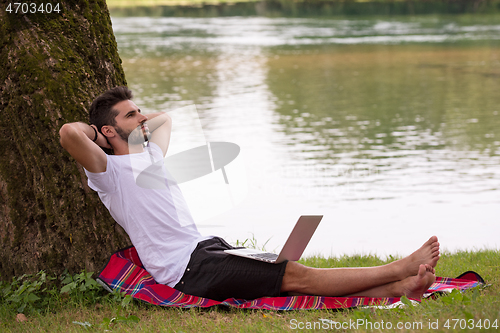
(108, 131)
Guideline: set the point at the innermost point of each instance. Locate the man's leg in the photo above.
(412, 286)
(348, 281)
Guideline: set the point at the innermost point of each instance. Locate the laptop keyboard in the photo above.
(269, 257)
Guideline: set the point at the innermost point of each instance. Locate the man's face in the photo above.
(129, 121)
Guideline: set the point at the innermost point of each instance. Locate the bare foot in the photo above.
(415, 286)
(429, 268)
(427, 254)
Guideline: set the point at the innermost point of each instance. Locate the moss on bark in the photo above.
(53, 65)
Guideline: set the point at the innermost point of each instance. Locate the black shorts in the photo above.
(214, 274)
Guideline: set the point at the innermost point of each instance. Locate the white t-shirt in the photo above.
(151, 209)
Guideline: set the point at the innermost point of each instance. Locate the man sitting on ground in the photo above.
(171, 248)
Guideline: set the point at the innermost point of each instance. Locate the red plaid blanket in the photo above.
(124, 272)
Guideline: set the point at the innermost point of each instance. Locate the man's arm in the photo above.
(160, 126)
(77, 138)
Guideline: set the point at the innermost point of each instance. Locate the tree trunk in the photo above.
(52, 67)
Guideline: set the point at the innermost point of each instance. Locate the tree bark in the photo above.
(52, 67)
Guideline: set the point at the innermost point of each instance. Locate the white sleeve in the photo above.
(103, 181)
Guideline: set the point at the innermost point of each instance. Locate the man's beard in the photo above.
(133, 137)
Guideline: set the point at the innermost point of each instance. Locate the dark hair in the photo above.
(101, 111)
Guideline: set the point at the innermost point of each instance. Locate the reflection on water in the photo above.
(389, 127)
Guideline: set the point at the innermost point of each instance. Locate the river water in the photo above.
(387, 126)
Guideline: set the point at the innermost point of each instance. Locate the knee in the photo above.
(297, 277)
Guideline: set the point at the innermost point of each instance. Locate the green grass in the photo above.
(87, 308)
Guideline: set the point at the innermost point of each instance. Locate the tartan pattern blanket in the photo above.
(124, 272)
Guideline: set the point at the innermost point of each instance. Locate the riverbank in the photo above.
(149, 3)
(89, 311)
(299, 8)
(132, 3)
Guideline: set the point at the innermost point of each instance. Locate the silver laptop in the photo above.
(294, 246)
